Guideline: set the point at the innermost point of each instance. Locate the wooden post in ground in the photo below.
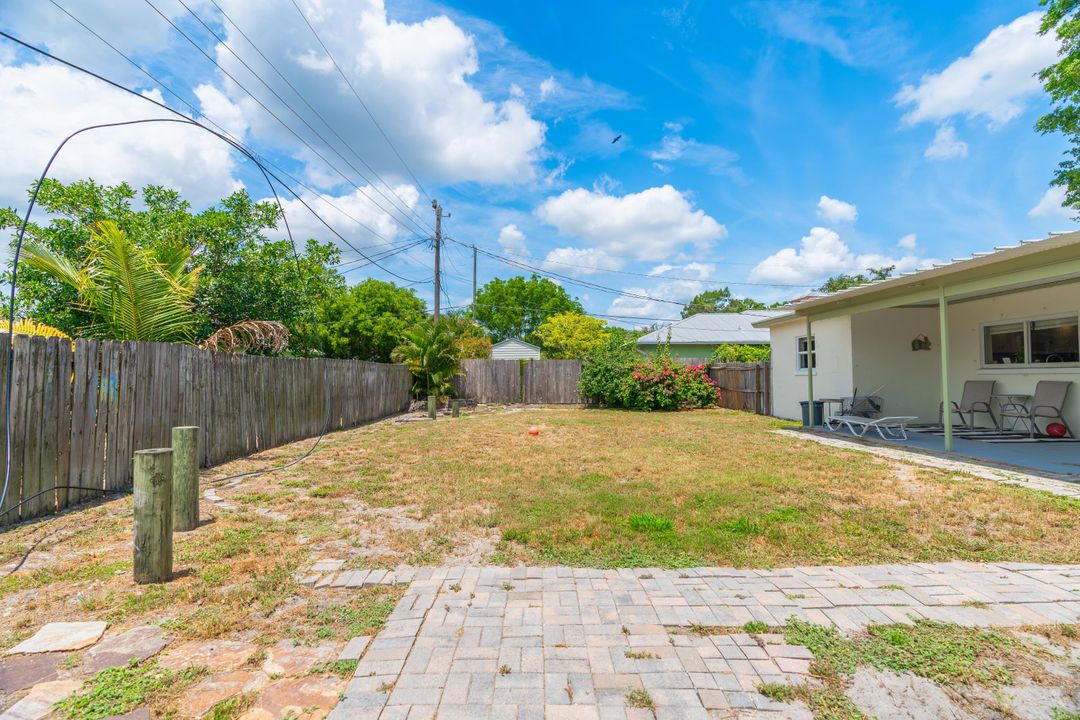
(455, 407)
(153, 515)
(432, 406)
(185, 478)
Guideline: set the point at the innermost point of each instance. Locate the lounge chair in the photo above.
(976, 399)
(857, 425)
(1047, 403)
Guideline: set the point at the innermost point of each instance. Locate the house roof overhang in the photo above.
(1032, 263)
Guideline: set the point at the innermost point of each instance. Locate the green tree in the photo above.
(128, 292)
(1062, 82)
(429, 351)
(368, 320)
(720, 301)
(245, 275)
(471, 340)
(571, 335)
(516, 307)
(845, 281)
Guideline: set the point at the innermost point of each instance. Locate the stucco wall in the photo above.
(965, 320)
(833, 374)
(909, 381)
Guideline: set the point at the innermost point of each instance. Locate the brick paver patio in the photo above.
(560, 642)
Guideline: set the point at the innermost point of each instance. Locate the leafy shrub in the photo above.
(739, 352)
(616, 376)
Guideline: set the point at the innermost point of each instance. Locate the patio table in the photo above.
(1005, 399)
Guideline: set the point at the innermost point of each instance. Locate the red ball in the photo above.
(1056, 430)
(534, 430)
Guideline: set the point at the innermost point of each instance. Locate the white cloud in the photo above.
(680, 291)
(701, 270)
(579, 261)
(993, 81)
(652, 224)
(548, 87)
(946, 144)
(512, 240)
(416, 77)
(908, 242)
(516, 91)
(676, 148)
(832, 210)
(1051, 205)
(822, 254)
(354, 208)
(44, 103)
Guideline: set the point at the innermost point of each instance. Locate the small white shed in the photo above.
(514, 349)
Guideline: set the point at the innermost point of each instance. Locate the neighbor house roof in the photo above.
(714, 329)
(1028, 263)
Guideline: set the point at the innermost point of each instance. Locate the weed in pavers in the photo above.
(890, 587)
(504, 670)
(978, 604)
(342, 668)
(386, 687)
(636, 655)
(233, 707)
(364, 614)
(507, 586)
(827, 702)
(641, 699)
(119, 690)
(755, 626)
(456, 587)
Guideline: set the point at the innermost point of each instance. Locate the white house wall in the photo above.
(832, 377)
(884, 363)
(965, 325)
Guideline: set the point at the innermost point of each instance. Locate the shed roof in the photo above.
(515, 341)
(714, 329)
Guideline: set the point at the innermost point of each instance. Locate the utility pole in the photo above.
(438, 239)
(474, 283)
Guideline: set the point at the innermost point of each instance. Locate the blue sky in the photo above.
(764, 145)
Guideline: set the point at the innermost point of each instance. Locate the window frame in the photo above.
(1026, 323)
(811, 350)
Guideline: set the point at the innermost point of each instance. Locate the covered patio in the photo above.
(999, 323)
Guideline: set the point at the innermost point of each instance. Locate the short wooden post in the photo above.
(153, 515)
(455, 407)
(432, 406)
(185, 478)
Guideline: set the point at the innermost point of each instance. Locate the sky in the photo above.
(639, 153)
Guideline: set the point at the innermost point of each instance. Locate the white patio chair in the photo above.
(857, 425)
(976, 399)
(1047, 403)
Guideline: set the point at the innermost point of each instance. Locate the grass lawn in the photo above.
(595, 488)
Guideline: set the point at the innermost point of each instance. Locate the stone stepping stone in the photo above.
(19, 673)
(354, 648)
(214, 654)
(311, 697)
(198, 701)
(56, 637)
(287, 658)
(138, 643)
(40, 700)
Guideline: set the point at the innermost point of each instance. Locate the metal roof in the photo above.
(714, 329)
(514, 341)
(982, 262)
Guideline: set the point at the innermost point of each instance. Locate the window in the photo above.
(1049, 341)
(801, 353)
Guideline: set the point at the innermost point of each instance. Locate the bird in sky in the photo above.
(617, 139)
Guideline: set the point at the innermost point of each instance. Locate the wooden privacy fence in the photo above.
(80, 410)
(743, 386)
(548, 382)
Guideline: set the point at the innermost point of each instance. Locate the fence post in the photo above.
(185, 475)
(455, 407)
(153, 515)
(432, 407)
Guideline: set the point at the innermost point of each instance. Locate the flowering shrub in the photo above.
(615, 375)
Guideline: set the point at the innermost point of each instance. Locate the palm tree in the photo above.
(133, 292)
(432, 356)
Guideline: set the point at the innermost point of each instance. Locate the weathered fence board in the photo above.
(553, 382)
(743, 386)
(80, 410)
(489, 381)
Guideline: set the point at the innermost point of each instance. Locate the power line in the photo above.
(276, 117)
(224, 136)
(360, 100)
(409, 213)
(221, 131)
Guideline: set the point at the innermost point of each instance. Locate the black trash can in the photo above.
(819, 409)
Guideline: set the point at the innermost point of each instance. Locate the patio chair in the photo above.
(976, 399)
(1047, 403)
(857, 425)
